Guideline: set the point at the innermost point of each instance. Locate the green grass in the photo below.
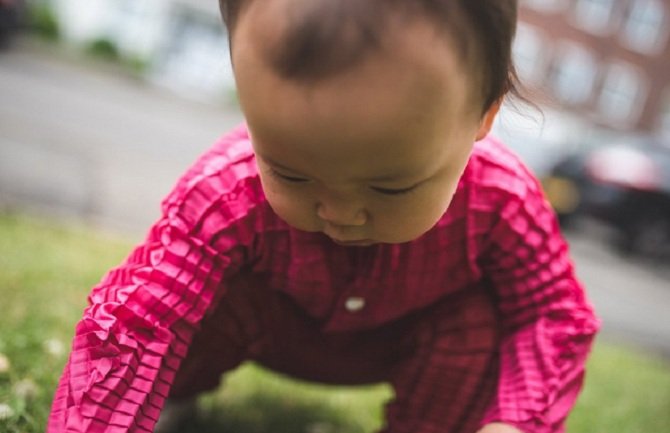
(46, 270)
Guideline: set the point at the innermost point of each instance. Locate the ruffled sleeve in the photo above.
(143, 314)
(548, 324)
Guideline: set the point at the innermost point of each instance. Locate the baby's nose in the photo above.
(341, 213)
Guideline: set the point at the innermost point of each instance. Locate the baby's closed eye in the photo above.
(287, 177)
(393, 191)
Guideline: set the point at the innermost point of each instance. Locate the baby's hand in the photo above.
(498, 427)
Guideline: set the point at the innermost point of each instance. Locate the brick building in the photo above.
(607, 61)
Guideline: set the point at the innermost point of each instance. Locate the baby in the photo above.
(361, 227)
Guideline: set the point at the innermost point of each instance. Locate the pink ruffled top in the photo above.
(499, 231)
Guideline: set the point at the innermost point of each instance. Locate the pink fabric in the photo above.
(441, 361)
(498, 233)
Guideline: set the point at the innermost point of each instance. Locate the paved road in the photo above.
(90, 142)
(95, 142)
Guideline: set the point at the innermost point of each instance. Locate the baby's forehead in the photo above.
(315, 39)
(308, 41)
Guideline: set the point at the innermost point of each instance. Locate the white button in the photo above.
(354, 304)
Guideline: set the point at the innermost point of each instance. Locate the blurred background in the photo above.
(103, 103)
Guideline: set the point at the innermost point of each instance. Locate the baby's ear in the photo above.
(488, 118)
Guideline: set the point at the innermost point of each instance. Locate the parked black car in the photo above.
(10, 16)
(625, 185)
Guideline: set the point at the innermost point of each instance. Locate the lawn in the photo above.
(46, 269)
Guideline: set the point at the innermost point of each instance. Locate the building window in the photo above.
(646, 26)
(573, 74)
(593, 15)
(545, 5)
(623, 94)
(529, 49)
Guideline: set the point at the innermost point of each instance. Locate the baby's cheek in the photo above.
(295, 211)
(417, 217)
(397, 224)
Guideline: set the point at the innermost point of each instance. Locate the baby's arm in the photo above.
(134, 333)
(548, 324)
(142, 315)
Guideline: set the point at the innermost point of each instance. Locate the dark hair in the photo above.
(331, 35)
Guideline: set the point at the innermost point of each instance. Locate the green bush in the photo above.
(137, 65)
(43, 22)
(103, 48)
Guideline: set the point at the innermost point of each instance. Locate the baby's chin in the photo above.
(358, 242)
(396, 237)
(401, 238)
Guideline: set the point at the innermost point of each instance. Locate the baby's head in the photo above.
(363, 112)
